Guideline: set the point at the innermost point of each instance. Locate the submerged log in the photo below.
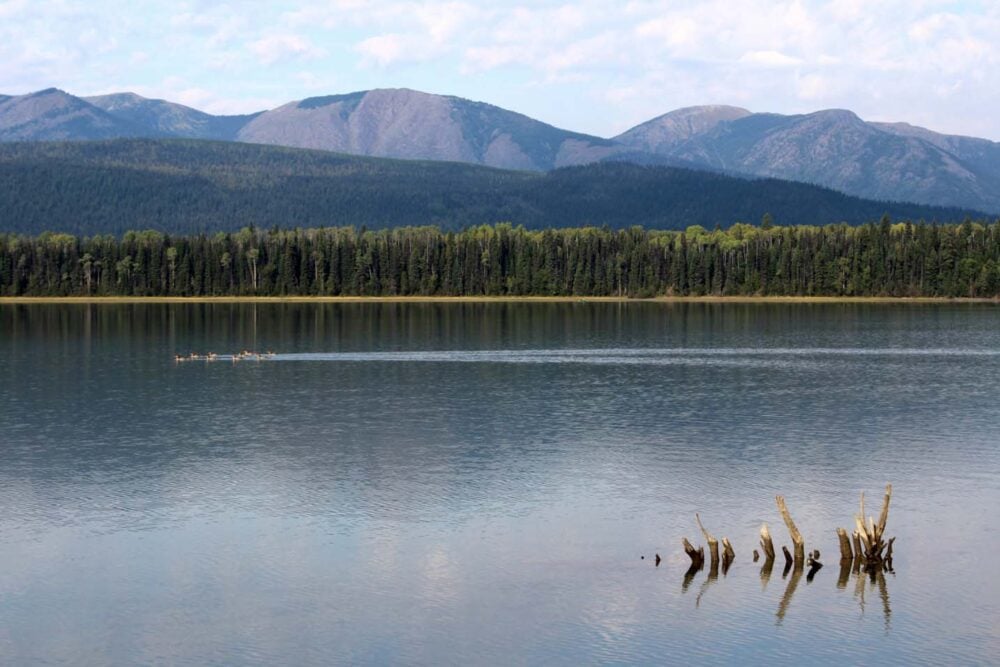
(766, 544)
(713, 544)
(793, 531)
(845, 545)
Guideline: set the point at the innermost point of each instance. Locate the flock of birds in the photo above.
(245, 355)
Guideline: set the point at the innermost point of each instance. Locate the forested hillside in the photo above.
(882, 259)
(190, 186)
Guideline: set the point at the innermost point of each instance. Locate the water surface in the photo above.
(476, 483)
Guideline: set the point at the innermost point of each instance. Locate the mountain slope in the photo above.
(834, 148)
(190, 186)
(52, 115)
(162, 118)
(409, 124)
(663, 134)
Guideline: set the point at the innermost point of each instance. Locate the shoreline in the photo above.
(25, 300)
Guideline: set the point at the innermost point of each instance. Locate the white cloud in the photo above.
(383, 50)
(769, 59)
(275, 48)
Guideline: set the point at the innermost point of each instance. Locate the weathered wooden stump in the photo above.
(875, 551)
(845, 545)
(713, 544)
(697, 556)
(766, 544)
(793, 531)
(788, 556)
(728, 554)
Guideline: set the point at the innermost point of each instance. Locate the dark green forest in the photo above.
(190, 187)
(878, 259)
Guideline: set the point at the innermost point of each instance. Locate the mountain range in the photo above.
(831, 148)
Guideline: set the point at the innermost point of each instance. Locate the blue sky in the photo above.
(596, 67)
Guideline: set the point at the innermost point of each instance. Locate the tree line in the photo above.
(900, 259)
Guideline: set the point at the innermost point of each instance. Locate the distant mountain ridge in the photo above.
(836, 149)
(832, 148)
(167, 119)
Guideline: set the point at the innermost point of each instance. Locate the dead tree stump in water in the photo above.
(697, 556)
(871, 536)
(797, 541)
(766, 544)
(845, 545)
(728, 553)
(713, 544)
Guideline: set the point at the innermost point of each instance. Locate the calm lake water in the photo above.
(477, 483)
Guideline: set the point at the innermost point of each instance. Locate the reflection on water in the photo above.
(442, 483)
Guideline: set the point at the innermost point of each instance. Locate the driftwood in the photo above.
(765, 543)
(793, 531)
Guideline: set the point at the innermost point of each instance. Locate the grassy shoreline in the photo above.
(14, 300)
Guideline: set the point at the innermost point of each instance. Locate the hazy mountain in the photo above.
(190, 186)
(833, 148)
(53, 115)
(409, 124)
(665, 133)
(162, 118)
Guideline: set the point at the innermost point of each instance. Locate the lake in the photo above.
(488, 483)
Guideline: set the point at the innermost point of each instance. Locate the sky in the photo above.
(594, 67)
